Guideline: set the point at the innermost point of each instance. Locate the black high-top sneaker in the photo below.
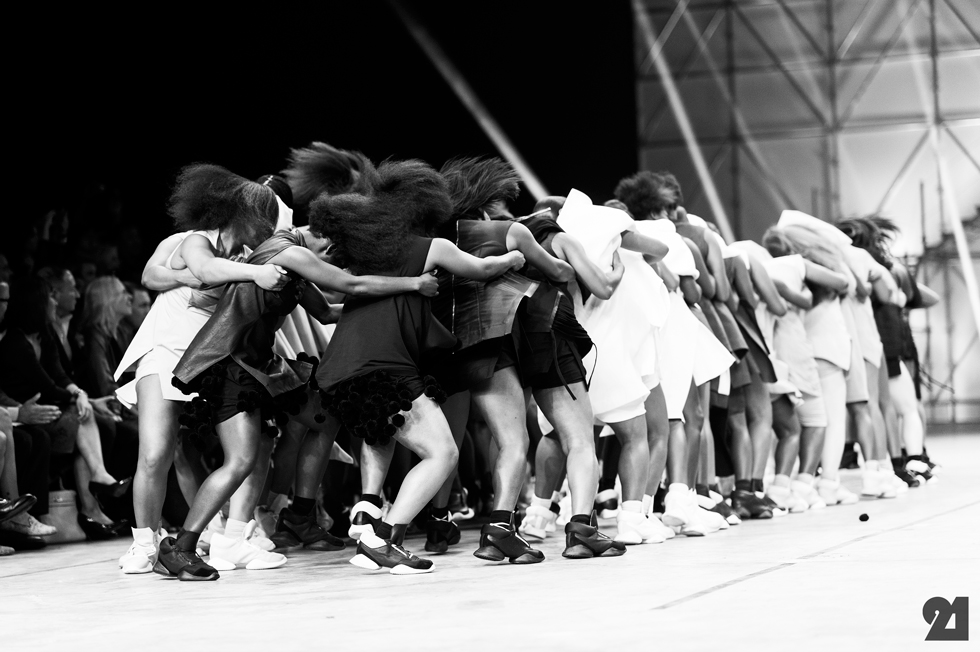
(185, 566)
(500, 540)
(294, 531)
(898, 465)
(364, 516)
(918, 467)
(440, 533)
(747, 505)
(375, 553)
(586, 541)
(607, 503)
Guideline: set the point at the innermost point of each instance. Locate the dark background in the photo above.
(108, 106)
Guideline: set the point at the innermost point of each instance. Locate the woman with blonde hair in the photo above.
(107, 303)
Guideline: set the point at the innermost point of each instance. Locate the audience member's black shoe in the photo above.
(20, 541)
(95, 531)
(12, 508)
(184, 565)
(586, 541)
(499, 541)
(115, 490)
(293, 531)
(440, 534)
(747, 505)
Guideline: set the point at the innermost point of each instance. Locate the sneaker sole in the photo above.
(402, 569)
(365, 562)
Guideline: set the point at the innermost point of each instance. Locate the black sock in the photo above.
(303, 506)
(501, 516)
(607, 483)
(585, 519)
(555, 508)
(187, 540)
(373, 499)
(383, 530)
(743, 485)
(439, 513)
(701, 489)
(757, 484)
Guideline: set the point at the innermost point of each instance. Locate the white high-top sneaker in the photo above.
(635, 528)
(713, 520)
(676, 505)
(786, 499)
(536, 521)
(805, 490)
(888, 476)
(667, 532)
(832, 492)
(142, 554)
(257, 537)
(871, 480)
(228, 554)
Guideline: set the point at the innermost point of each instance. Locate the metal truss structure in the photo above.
(836, 108)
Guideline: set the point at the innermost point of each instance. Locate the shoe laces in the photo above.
(403, 552)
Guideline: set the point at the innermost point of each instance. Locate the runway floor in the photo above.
(816, 581)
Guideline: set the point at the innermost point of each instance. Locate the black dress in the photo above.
(373, 367)
(231, 364)
(554, 341)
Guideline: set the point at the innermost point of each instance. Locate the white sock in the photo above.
(235, 529)
(541, 502)
(871, 466)
(805, 478)
(781, 480)
(633, 506)
(677, 486)
(647, 504)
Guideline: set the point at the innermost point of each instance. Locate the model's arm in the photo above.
(601, 284)
(742, 282)
(929, 297)
(160, 278)
(520, 238)
(705, 280)
(690, 289)
(329, 278)
(799, 298)
(316, 304)
(199, 257)
(654, 250)
(716, 263)
(766, 289)
(444, 254)
(826, 277)
(670, 279)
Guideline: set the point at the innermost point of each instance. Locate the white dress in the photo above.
(163, 337)
(624, 328)
(689, 351)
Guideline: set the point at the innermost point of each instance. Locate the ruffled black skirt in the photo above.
(370, 406)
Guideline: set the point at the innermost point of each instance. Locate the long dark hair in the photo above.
(475, 183)
(208, 197)
(648, 193)
(320, 168)
(873, 234)
(370, 230)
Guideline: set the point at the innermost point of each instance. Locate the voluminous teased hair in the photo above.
(321, 168)
(874, 234)
(370, 230)
(647, 193)
(475, 183)
(208, 197)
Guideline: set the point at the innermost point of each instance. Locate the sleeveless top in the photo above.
(244, 324)
(391, 334)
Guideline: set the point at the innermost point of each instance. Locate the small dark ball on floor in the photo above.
(863, 517)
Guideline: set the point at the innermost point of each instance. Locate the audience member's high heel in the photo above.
(115, 490)
(95, 531)
(20, 541)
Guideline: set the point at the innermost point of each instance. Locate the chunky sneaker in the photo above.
(499, 541)
(440, 534)
(586, 541)
(375, 553)
(747, 505)
(785, 499)
(185, 566)
(458, 508)
(921, 470)
(536, 521)
(777, 511)
(216, 526)
(635, 528)
(712, 520)
(142, 554)
(910, 479)
(363, 517)
(228, 554)
(723, 508)
(676, 506)
(888, 477)
(294, 531)
(832, 492)
(807, 492)
(256, 535)
(607, 503)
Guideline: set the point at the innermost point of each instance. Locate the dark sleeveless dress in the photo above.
(554, 341)
(482, 315)
(376, 362)
(231, 364)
